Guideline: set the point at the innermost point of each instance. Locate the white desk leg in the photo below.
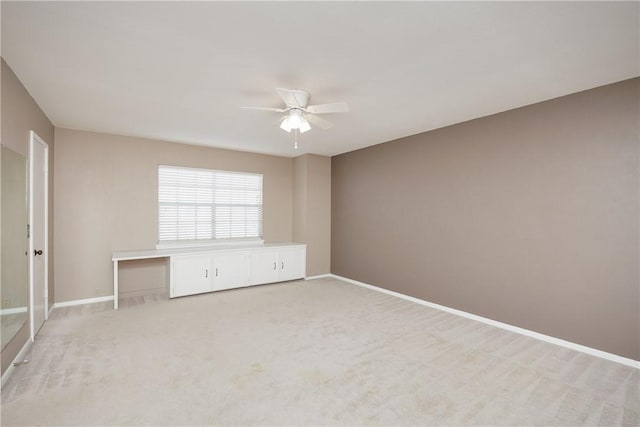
(115, 284)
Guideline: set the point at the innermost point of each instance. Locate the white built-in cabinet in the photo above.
(217, 270)
(229, 270)
(190, 274)
(292, 263)
(277, 265)
(264, 267)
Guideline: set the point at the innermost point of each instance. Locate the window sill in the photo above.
(209, 243)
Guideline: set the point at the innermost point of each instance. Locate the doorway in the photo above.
(38, 232)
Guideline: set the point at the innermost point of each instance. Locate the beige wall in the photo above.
(106, 200)
(312, 210)
(21, 114)
(528, 217)
(300, 199)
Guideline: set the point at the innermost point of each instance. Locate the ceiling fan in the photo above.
(299, 113)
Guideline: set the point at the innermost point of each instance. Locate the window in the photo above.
(206, 205)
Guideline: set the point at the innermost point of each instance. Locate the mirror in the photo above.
(14, 268)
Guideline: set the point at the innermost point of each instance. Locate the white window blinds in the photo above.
(205, 204)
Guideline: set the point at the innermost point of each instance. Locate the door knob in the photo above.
(37, 252)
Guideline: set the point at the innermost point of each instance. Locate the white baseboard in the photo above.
(19, 357)
(319, 276)
(15, 310)
(83, 301)
(557, 341)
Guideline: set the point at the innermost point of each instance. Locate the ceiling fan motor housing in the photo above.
(301, 98)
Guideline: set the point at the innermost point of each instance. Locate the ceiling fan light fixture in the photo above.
(286, 125)
(295, 118)
(304, 125)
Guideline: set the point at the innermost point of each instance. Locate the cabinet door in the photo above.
(292, 263)
(190, 275)
(264, 267)
(229, 271)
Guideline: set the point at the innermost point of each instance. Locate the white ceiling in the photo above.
(180, 71)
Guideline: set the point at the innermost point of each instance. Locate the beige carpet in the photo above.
(321, 352)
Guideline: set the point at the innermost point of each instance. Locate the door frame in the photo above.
(35, 139)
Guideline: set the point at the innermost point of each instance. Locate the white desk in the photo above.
(165, 253)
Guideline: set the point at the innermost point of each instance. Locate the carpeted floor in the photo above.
(320, 352)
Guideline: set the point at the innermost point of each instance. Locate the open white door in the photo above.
(38, 231)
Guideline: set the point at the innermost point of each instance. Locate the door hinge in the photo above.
(28, 230)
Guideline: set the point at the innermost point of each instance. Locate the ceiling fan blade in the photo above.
(278, 110)
(335, 107)
(319, 121)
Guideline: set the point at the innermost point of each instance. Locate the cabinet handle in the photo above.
(274, 265)
(216, 272)
(283, 265)
(206, 273)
